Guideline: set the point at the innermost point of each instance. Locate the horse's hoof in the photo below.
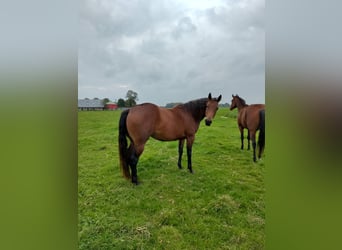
(135, 181)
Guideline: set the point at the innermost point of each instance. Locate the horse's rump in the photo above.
(140, 122)
(249, 116)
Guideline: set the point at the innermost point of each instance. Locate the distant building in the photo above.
(111, 106)
(88, 104)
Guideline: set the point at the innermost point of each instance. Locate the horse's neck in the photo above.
(198, 116)
(240, 106)
(196, 110)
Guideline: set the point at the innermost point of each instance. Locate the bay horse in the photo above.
(148, 120)
(251, 117)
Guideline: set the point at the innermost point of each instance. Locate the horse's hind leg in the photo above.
(241, 136)
(260, 152)
(253, 144)
(180, 152)
(248, 139)
(135, 152)
(133, 161)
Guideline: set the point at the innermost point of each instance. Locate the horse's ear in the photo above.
(219, 98)
(209, 96)
(232, 95)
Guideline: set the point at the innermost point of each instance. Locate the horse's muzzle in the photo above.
(208, 122)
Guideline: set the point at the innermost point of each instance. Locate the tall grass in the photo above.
(220, 206)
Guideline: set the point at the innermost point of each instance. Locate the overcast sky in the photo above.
(172, 50)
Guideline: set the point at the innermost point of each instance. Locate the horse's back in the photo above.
(170, 125)
(142, 112)
(257, 106)
(148, 119)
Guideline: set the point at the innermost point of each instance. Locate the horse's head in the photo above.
(212, 107)
(234, 101)
(237, 102)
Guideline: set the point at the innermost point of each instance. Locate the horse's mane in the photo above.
(196, 108)
(243, 102)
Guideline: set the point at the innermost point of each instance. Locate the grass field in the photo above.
(220, 206)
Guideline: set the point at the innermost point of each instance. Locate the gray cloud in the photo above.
(168, 51)
(184, 27)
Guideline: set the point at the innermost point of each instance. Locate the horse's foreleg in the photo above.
(180, 152)
(189, 142)
(189, 153)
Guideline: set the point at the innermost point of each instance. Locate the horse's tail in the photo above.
(261, 140)
(123, 150)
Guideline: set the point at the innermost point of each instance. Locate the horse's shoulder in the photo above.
(243, 111)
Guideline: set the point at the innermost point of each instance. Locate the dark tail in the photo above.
(261, 140)
(123, 150)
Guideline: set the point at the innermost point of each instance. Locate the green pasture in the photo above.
(220, 206)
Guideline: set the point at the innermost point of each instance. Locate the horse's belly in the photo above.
(167, 136)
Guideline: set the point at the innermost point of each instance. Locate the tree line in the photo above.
(129, 101)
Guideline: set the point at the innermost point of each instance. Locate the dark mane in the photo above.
(243, 102)
(196, 108)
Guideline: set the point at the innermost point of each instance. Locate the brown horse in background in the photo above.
(251, 117)
(178, 123)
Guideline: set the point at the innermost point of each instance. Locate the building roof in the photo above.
(94, 103)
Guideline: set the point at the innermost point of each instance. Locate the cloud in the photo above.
(184, 27)
(171, 50)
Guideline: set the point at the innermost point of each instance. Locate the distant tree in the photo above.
(121, 103)
(224, 105)
(172, 104)
(131, 98)
(105, 100)
(130, 103)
